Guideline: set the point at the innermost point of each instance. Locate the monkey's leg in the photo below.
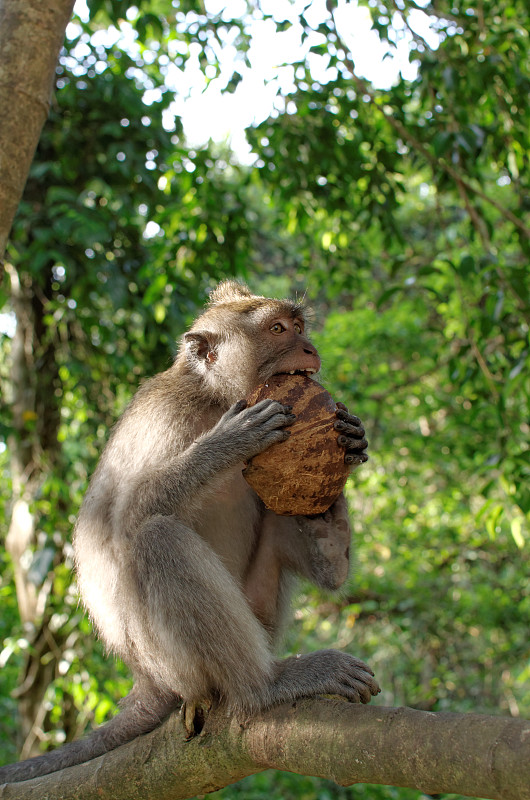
(323, 672)
(317, 548)
(190, 625)
(263, 582)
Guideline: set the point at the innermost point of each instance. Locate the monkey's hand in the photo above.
(351, 436)
(327, 543)
(243, 432)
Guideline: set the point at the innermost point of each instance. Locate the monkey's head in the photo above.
(243, 339)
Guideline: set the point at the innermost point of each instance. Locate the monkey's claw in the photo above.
(194, 716)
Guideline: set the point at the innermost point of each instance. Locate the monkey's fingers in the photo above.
(241, 405)
(362, 666)
(259, 426)
(271, 410)
(343, 413)
(354, 459)
(348, 422)
(273, 417)
(355, 449)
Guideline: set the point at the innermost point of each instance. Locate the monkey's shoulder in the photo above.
(171, 398)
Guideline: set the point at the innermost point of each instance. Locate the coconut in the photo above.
(306, 473)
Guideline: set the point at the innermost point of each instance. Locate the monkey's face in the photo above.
(234, 347)
(285, 348)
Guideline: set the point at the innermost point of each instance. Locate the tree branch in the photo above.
(469, 754)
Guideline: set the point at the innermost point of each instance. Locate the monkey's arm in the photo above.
(316, 548)
(179, 479)
(325, 557)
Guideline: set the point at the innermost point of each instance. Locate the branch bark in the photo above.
(470, 754)
(31, 35)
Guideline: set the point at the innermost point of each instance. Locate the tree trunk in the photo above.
(31, 35)
(33, 451)
(469, 754)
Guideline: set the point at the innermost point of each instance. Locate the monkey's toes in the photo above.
(366, 690)
(363, 681)
(194, 716)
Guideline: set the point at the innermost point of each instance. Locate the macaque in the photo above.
(184, 572)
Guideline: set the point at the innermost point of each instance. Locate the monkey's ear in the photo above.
(201, 346)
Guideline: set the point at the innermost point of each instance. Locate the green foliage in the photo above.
(403, 214)
(286, 786)
(447, 586)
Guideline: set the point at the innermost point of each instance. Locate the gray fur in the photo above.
(183, 572)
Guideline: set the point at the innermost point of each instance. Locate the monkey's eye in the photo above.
(277, 328)
(297, 327)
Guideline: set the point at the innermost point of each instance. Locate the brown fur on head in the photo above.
(229, 291)
(235, 296)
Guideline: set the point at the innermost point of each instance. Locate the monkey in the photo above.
(185, 574)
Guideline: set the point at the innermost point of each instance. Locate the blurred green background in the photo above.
(401, 213)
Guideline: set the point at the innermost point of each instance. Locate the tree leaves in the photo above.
(401, 214)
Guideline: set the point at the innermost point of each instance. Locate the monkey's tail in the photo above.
(139, 714)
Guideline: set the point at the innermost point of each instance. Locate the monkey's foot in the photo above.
(194, 716)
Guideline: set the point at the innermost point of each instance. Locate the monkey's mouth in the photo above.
(307, 373)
